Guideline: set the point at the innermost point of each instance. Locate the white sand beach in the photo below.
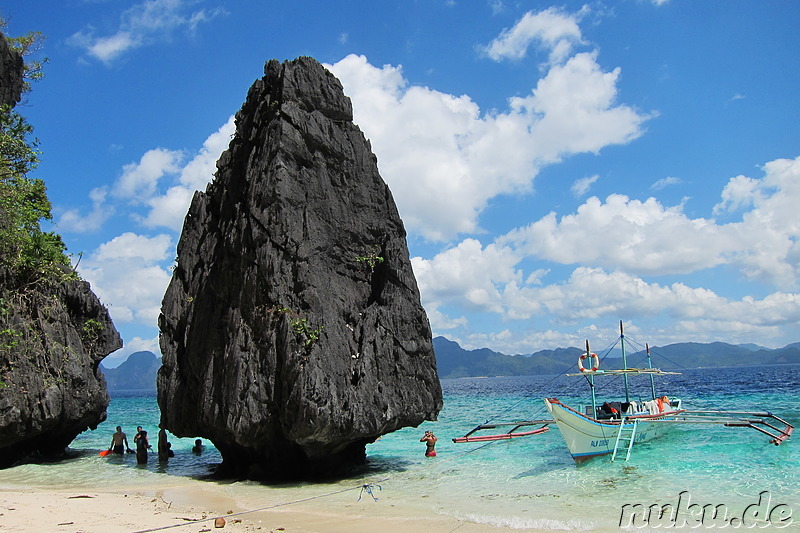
(194, 505)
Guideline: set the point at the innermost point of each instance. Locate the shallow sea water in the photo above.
(528, 483)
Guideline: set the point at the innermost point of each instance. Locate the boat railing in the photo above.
(616, 410)
(556, 401)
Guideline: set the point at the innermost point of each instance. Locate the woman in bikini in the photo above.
(430, 443)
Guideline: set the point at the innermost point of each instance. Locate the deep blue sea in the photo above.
(527, 483)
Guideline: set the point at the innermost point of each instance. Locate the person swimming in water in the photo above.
(198, 447)
(430, 443)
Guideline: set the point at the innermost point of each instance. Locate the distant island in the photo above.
(138, 372)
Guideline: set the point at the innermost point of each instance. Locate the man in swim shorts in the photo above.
(430, 443)
(119, 442)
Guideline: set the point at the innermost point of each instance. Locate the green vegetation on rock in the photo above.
(27, 253)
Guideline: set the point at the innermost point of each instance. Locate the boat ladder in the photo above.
(626, 436)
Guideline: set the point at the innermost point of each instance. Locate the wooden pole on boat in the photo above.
(591, 383)
(624, 360)
(650, 365)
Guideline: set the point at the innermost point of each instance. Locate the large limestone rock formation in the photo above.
(52, 338)
(292, 332)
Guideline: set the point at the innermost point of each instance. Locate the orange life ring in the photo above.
(589, 356)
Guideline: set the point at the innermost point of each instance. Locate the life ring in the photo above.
(595, 366)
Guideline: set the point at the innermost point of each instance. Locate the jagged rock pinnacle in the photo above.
(292, 332)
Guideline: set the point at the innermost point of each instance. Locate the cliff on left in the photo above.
(53, 329)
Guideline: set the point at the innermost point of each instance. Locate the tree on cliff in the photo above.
(27, 254)
(54, 331)
(26, 45)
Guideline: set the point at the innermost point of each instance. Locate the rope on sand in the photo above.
(367, 488)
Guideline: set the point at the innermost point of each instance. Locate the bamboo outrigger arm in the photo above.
(723, 418)
(510, 434)
(783, 434)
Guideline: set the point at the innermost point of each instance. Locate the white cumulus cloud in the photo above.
(468, 272)
(444, 160)
(132, 246)
(130, 272)
(72, 220)
(159, 182)
(168, 209)
(573, 109)
(139, 181)
(141, 24)
(618, 248)
(553, 29)
(125, 273)
(640, 237)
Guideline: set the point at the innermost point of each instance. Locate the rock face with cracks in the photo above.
(12, 68)
(292, 332)
(52, 340)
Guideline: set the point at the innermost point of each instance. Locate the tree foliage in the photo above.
(27, 254)
(26, 45)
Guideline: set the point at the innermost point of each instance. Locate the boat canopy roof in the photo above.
(625, 371)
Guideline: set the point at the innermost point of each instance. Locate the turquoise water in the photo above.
(530, 482)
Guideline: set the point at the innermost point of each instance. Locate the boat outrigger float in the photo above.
(614, 427)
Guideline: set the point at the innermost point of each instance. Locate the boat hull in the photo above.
(587, 438)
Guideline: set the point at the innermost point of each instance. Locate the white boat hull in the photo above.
(587, 437)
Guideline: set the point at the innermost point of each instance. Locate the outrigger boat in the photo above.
(614, 427)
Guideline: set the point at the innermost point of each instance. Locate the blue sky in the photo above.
(559, 167)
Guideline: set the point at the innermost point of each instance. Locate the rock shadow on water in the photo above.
(69, 455)
(373, 466)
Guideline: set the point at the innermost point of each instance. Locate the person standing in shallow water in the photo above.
(141, 448)
(119, 442)
(430, 443)
(136, 437)
(164, 447)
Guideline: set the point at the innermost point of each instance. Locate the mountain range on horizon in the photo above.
(455, 362)
(138, 372)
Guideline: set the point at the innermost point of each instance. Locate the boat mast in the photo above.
(650, 365)
(624, 360)
(590, 377)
